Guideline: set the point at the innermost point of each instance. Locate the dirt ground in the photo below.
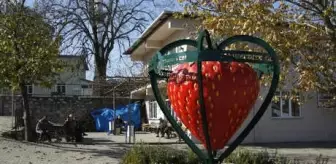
(12, 152)
(100, 148)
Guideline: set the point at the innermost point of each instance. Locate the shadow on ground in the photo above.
(111, 149)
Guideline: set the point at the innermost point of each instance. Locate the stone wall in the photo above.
(57, 108)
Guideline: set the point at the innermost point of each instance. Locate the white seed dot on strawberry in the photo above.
(215, 68)
(213, 86)
(196, 86)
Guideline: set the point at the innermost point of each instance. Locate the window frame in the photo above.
(60, 85)
(172, 112)
(27, 89)
(290, 108)
(153, 111)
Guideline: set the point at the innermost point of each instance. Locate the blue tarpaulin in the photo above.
(103, 116)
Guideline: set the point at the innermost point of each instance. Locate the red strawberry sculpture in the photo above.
(230, 90)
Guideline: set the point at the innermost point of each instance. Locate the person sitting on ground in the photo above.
(42, 127)
(70, 128)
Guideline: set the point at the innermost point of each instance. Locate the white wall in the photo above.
(72, 78)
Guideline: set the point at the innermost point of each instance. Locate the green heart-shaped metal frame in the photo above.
(265, 65)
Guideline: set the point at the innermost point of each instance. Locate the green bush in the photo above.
(146, 154)
(244, 156)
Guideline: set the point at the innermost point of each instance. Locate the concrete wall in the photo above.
(57, 108)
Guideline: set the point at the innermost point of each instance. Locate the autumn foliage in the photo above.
(302, 32)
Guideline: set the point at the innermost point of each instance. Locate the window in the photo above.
(152, 109)
(29, 89)
(285, 107)
(60, 88)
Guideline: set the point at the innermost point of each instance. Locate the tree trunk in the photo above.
(100, 77)
(26, 113)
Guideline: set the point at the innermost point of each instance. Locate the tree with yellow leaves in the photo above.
(303, 33)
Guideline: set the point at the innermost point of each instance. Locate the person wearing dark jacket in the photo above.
(162, 128)
(119, 123)
(70, 128)
(42, 128)
(79, 132)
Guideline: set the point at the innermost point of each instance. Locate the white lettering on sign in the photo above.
(182, 57)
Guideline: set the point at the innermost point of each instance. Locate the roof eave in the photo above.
(149, 31)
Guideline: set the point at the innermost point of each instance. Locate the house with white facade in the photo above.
(69, 82)
(284, 121)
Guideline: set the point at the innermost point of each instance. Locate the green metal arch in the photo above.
(157, 93)
(271, 91)
(210, 54)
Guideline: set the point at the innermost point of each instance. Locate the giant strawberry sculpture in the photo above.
(230, 91)
(228, 81)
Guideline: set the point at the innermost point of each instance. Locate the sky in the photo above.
(117, 64)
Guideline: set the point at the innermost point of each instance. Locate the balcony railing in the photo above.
(61, 90)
